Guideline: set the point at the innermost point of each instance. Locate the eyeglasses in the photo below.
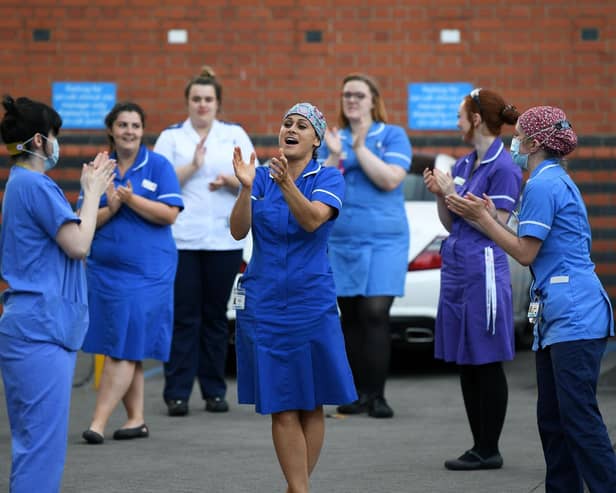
(357, 95)
(475, 96)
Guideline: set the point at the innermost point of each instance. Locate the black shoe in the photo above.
(130, 433)
(472, 461)
(177, 407)
(356, 407)
(378, 408)
(92, 437)
(216, 405)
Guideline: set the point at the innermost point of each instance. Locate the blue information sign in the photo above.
(434, 105)
(83, 105)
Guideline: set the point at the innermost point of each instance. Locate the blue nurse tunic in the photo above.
(474, 323)
(131, 268)
(369, 244)
(576, 304)
(289, 343)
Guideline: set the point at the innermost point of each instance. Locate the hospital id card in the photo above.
(238, 296)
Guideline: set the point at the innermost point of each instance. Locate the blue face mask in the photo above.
(50, 161)
(520, 159)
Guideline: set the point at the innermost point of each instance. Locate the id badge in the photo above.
(238, 296)
(533, 311)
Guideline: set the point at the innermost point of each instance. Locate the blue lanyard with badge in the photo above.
(238, 295)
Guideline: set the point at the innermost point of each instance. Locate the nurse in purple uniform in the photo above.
(474, 325)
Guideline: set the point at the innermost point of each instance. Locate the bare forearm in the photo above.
(307, 214)
(332, 160)
(444, 214)
(523, 250)
(184, 173)
(240, 219)
(76, 239)
(151, 210)
(383, 175)
(103, 216)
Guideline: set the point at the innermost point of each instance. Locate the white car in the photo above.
(412, 316)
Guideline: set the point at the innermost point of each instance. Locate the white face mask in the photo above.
(50, 161)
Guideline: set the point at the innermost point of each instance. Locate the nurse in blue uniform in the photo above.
(45, 313)
(130, 273)
(369, 244)
(474, 323)
(290, 350)
(570, 308)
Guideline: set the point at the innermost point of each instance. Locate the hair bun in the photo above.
(9, 104)
(207, 71)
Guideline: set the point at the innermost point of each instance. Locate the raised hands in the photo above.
(359, 134)
(438, 183)
(245, 172)
(279, 168)
(199, 155)
(97, 175)
(125, 193)
(470, 206)
(333, 141)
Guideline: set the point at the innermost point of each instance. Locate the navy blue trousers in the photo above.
(203, 283)
(576, 445)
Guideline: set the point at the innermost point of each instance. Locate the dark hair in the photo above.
(118, 108)
(207, 77)
(492, 108)
(23, 118)
(378, 110)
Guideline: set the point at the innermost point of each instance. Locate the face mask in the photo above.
(50, 161)
(520, 159)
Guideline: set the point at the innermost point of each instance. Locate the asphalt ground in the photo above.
(233, 452)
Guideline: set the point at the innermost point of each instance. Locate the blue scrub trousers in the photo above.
(203, 283)
(576, 445)
(37, 377)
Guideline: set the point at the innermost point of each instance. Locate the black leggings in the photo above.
(365, 323)
(484, 388)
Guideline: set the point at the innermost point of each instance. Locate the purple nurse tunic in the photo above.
(474, 323)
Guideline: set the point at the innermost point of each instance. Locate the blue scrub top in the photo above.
(289, 273)
(369, 243)
(152, 176)
(575, 304)
(46, 299)
(368, 210)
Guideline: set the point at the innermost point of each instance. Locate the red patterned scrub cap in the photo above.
(549, 125)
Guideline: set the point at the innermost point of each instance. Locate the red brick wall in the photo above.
(530, 51)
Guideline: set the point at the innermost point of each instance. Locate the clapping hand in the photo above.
(245, 172)
(113, 199)
(279, 167)
(359, 135)
(333, 141)
(438, 183)
(125, 193)
(470, 206)
(199, 155)
(98, 174)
